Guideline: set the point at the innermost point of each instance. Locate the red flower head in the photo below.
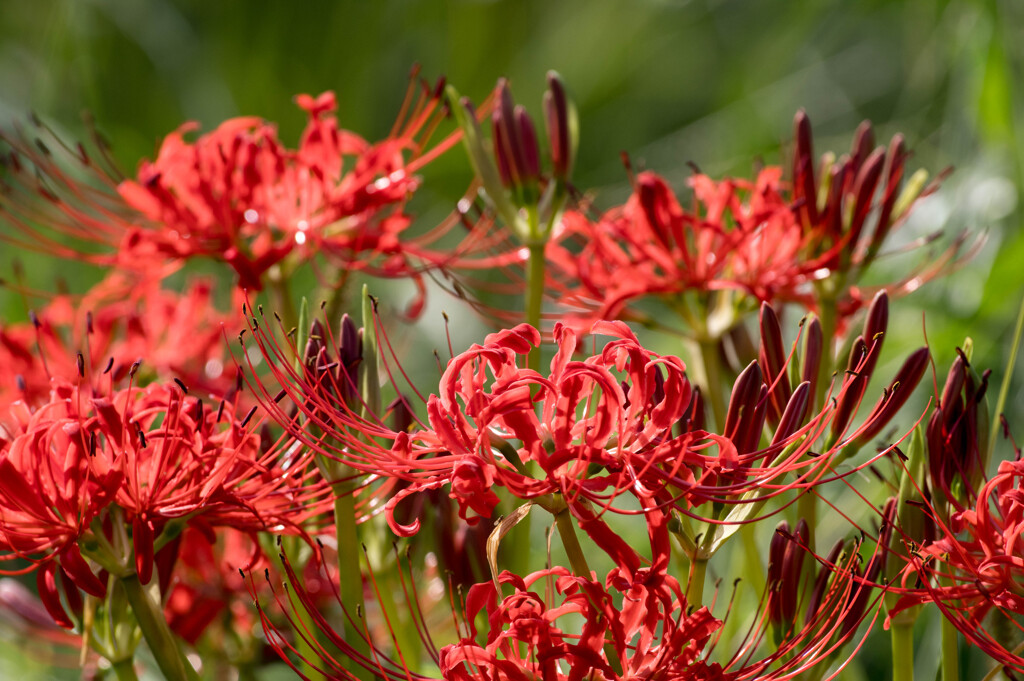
(623, 422)
(119, 321)
(974, 570)
(740, 235)
(238, 195)
(82, 467)
(763, 238)
(553, 624)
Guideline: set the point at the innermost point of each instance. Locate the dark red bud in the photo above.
(556, 120)
(693, 416)
(896, 396)
(743, 400)
(792, 566)
(864, 191)
(528, 138)
(821, 583)
(892, 175)
(813, 349)
(793, 416)
(877, 320)
(863, 143)
(803, 169)
(855, 382)
(350, 348)
(772, 355)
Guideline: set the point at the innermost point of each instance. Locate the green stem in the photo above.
(712, 363)
(807, 510)
(578, 562)
(567, 531)
(1004, 388)
(902, 651)
(695, 588)
(950, 652)
(350, 575)
(124, 669)
(159, 638)
(281, 297)
(535, 273)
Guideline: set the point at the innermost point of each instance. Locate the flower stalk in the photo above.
(162, 643)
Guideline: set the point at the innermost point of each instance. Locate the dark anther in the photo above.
(181, 385)
(245, 421)
(110, 365)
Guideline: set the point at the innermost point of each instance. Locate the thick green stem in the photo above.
(902, 651)
(281, 297)
(535, 273)
(807, 510)
(712, 363)
(159, 638)
(578, 562)
(350, 576)
(950, 652)
(567, 532)
(695, 587)
(124, 670)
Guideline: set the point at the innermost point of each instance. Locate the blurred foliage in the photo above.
(712, 82)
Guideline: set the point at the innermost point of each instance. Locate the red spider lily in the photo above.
(622, 422)
(238, 195)
(957, 436)
(973, 567)
(117, 322)
(974, 570)
(82, 469)
(556, 625)
(739, 236)
(768, 240)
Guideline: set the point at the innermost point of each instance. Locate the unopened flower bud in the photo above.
(557, 120)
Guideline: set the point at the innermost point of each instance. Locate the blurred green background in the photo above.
(714, 82)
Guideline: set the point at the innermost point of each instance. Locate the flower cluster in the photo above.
(148, 477)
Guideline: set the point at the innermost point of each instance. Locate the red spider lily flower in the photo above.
(238, 195)
(957, 436)
(763, 238)
(157, 460)
(622, 422)
(652, 246)
(974, 569)
(973, 566)
(99, 336)
(553, 624)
